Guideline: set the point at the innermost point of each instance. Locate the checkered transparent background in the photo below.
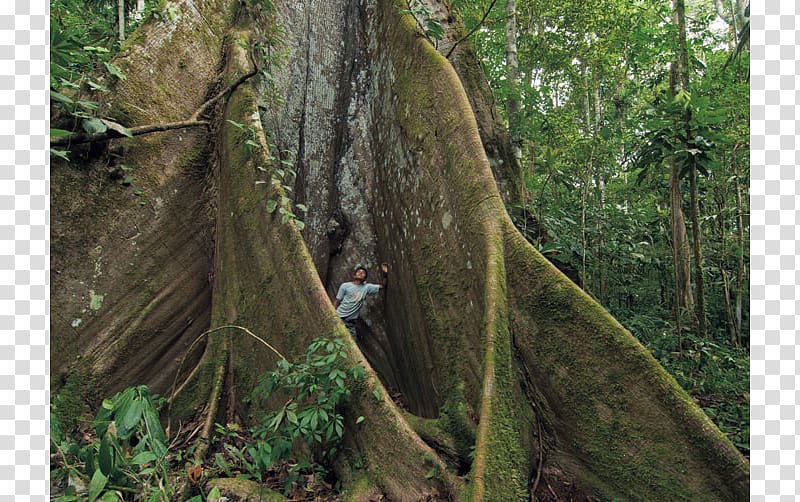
(774, 273)
(24, 276)
(24, 248)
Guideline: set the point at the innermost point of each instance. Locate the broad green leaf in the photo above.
(59, 133)
(143, 458)
(131, 419)
(105, 455)
(89, 105)
(159, 448)
(271, 205)
(96, 485)
(154, 429)
(61, 98)
(91, 48)
(95, 86)
(62, 154)
(93, 126)
(115, 70)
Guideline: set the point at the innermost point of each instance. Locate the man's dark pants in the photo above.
(351, 325)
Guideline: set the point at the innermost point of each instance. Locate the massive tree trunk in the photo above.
(485, 342)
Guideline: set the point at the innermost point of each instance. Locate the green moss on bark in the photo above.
(622, 425)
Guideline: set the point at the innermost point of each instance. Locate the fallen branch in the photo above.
(192, 121)
(78, 138)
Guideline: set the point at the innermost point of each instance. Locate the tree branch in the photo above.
(473, 30)
(230, 88)
(78, 138)
(419, 24)
(192, 121)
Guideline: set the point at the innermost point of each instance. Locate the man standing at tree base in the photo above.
(351, 295)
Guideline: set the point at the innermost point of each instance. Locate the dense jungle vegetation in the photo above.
(601, 135)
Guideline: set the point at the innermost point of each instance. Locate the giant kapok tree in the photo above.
(501, 367)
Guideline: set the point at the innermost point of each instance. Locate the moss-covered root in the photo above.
(501, 466)
(622, 426)
(245, 490)
(383, 450)
(257, 257)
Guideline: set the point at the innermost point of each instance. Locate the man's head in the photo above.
(360, 273)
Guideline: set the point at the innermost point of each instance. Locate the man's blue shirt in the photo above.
(351, 297)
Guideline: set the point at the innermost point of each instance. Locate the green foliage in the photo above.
(433, 468)
(168, 11)
(313, 392)
(598, 114)
(251, 142)
(128, 453)
(83, 41)
(662, 142)
(715, 373)
(235, 457)
(280, 177)
(316, 388)
(214, 494)
(429, 26)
